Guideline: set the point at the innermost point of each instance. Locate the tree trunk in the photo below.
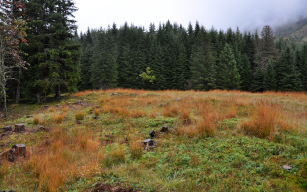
(59, 90)
(38, 96)
(17, 99)
(4, 100)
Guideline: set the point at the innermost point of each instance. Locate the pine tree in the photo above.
(303, 67)
(269, 81)
(228, 76)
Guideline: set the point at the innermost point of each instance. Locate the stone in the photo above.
(5, 129)
(78, 122)
(19, 128)
(164, 129)
(114, 94)
(78, 102)
(29, 116)
(95, 117)
(152, 133)
(287, 167)
(46, 106)
(178, 99)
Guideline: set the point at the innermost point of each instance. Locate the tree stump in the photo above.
(152, 133)
(164, 129)
(149, 144)
(19, 128)
(20, 150)
(5, 129)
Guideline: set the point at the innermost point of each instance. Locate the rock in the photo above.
(78, 102)
(178, 99)
(5, 129)
(20, 150)
(45, 106)
(152, 133)
(287, 167)
(133, 94)
(78, 122)
(29, 116)
(57, 106)
(95, 117)
(114, 94)
(164, 129)
(42, 128)
(19, 128)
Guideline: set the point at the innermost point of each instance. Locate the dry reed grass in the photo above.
(36, 121)
(263, 122)
(170, 111)
(96, 111)
(137, 114)
(58, 118)
(135, 148)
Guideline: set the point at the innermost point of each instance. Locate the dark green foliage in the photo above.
(228, 76)
(53, 55)
(257, 85)
(269, 81)
(202, 65)
(288, 76)
(246, 73)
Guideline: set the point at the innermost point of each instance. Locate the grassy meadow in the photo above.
(216, 141)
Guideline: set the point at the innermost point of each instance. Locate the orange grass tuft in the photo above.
(36, 120)
(58, 118)
(263, 122)
(135, 148)
(80, 115)
(170, 111)
(96, 111)
(137, 114)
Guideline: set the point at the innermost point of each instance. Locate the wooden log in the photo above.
(19, 128)
(20, 150)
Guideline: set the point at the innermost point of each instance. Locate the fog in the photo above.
(221, 14)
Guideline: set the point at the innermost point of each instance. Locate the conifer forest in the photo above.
(51, 57)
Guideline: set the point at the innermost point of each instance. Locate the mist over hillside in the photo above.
(296, 31)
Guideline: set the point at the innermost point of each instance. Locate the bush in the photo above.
(36, 121)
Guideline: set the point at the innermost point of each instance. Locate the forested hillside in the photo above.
(296, 31)
(53, 58)
(193, 58)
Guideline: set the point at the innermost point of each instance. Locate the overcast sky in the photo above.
(222, 14)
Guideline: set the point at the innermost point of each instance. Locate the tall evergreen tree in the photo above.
(246, 74)
(228, 76)
(269, 81)
(287, 72)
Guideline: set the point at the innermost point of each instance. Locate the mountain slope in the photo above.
(296, 31)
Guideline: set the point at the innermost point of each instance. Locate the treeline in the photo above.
(192, 58)
(50, 57)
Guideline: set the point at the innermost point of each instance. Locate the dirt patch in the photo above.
(100, 187)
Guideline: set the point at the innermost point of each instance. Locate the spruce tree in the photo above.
(287, 72)
(257, 85)
(246, 74)
(269, 81)
(228, 76)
